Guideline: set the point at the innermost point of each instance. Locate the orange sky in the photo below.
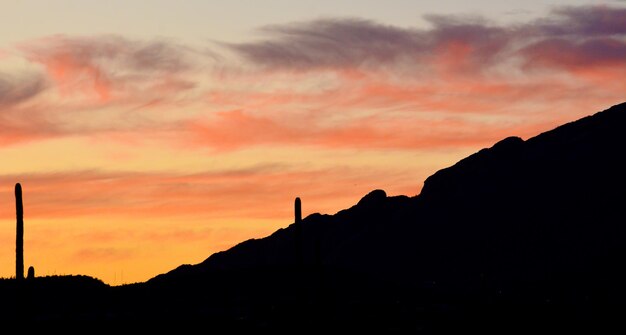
(139, 154)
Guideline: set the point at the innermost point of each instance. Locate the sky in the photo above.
(151, 134)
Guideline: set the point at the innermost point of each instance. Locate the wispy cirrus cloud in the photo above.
(331, 43)
(89, 85)
(235, 129)
(581, 41)
(263, 191)
(358, 43)
(580, 21)
(460, 66)
(330, 83)
(18, 122)
(349, 42)
(570, 55)
(15, 89)
(110, 66)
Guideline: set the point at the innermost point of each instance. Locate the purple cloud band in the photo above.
(594, 33)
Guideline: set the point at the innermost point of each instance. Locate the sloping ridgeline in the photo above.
(525, 235)
(533, 231)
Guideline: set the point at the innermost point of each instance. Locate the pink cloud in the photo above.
(237, 129)
(107, 66)
(572, 55)
(263, 192)
(74, 78)
(65, 68)
(459, 43)
(15, 90)
(385, 84)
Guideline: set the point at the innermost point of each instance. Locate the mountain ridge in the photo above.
(506, 152)
(524, 227)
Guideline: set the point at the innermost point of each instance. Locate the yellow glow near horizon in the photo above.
(110, 248)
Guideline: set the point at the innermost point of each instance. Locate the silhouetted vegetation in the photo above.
(31, 272)
(298, 230)
(19, 239)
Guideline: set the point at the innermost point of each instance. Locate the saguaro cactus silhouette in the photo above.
(298, 230)
(298, 210)
(19, 240)
(31, 272)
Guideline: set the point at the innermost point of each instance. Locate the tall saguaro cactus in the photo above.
(297, 207)
(298, 230)
(19, 240)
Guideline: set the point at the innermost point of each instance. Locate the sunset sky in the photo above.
(150, 134)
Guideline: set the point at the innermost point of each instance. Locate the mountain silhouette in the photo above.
(527, 235)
